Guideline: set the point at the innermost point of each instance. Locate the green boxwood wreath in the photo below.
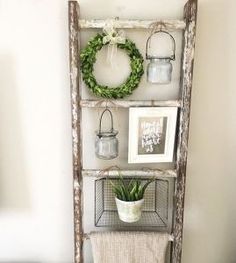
(88, 58)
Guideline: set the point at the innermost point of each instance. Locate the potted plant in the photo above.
(129, 198)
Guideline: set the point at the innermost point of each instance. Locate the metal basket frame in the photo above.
(159, 193)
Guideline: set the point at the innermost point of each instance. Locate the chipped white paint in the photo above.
(76, 143)
(132, 24)
(182, 147)
(128, 103)
(131, 173)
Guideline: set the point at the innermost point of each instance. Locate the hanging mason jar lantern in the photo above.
(106, 144)
(159, 69)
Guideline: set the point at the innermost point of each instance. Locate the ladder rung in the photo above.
(86, 236)
(131, 24)
(128, 103)
(140, 173)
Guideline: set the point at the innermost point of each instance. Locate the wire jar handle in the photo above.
(172, 57)
(100, 122)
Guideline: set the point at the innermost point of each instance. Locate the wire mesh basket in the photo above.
(157, 208)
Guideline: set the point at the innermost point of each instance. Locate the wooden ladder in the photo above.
(188, 25)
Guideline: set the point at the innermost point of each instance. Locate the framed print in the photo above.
(152, 134)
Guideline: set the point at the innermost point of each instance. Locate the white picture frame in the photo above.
(152, 134)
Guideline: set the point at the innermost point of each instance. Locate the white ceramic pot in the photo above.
(129, 212)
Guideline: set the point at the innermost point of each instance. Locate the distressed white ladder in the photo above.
(188, 25)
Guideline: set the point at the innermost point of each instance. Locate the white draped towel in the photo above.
(129, 247)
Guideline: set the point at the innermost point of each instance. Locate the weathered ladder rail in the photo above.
(186, 79)
(128, 103)
(132, 24)
(137, 173)
(74, 50)
(188, 25)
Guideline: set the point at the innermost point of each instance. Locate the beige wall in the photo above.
(210, 234)
(35, 141)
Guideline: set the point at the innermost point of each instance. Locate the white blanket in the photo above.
(129, 247)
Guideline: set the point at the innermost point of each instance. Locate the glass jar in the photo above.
(159, 71)
(106, 143)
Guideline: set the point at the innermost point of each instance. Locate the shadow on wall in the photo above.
(14, 189)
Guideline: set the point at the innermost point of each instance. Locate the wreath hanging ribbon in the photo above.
(112, 38)
(111, 35)
(88, 57)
